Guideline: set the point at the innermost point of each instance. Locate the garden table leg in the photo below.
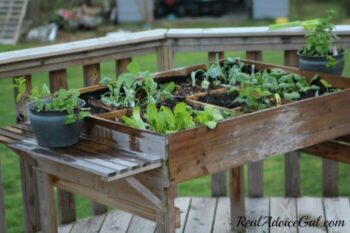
(237, 197)
(166, 216)
(47, 202)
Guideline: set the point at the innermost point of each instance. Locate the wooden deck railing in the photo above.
(165, 44)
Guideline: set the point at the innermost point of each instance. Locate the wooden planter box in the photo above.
(250, 137)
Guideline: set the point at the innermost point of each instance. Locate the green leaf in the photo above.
(105, 81)
(291, 96)
(83, 114)
(70, 119)
(211, 124)
(205, 84)
(135, 120)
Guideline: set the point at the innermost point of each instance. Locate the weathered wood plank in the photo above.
(58, 80)
(219, 184)
(256, 208)
(292, 174)
(214, 152)
(237, 197)
(311, 209)
(183, 203)
(283, 208)
(47, 202)
(165, 58)
(222, 222)
(292, 163)
(121, 65)
(330, 150)
(30, 194)
(138, 225)
(91, 74)
(201, 215)
(337, 210)
(330, 176)
(116, 222)
(256, 179)
(66, 204)
(65, 228)
(168, 218)
(3, 225)
(91, 225)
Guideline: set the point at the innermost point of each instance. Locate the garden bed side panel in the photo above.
(200, 151)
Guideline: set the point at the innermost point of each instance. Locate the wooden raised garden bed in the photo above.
(246, 137)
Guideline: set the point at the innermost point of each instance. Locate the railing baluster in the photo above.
(237, 197)
(218, 180)
(330, 178)
(67, 211)
(3, 226)
(121, 65)
(255, 169)
(292, 163)
(28, 176)
(165, 58)
(91, 74)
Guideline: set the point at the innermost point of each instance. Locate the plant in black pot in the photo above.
(57, 118)
(319, 53)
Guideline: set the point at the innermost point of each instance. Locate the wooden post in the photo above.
(47, 202)
(121, 65)
(292, 174)
(255, 169)
(165, 58)
(58, 80)
(28, 176)
(330, 178)
(166, 216)
(91, 74)
(237, 197)
(292, 163)
(218, 180)
(3, 226)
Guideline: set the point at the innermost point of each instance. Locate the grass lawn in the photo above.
(273, 169)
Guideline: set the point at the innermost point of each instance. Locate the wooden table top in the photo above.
(110, 163)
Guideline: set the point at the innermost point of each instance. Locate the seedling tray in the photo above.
(249, 137)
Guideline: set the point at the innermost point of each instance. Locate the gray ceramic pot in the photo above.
(319, 64)
(49, 127)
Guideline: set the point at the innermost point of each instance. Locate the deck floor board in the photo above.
(212, 215)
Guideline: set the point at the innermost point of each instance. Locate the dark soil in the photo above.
(185, 89)
(91, 99)
(221, 99)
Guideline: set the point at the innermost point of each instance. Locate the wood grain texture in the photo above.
(201, 215)
(3, 225)
(116, 222)
(66, 204)
(330, 176)
(292, 174)
(255, 209)
(311, 209)
(201, 151)
(138, 225)
(47, 202)
(237, 197)
(91, 74)
(168, 218)
(337, 209)
(92, 225)
(165, 58)
(331, 150)
(58, 80)
(222, 221)
(283, 208)
(65, 228)
(256, 179)
(183, 203)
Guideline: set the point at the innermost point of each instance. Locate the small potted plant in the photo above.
(56, 119)
(319, 53)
